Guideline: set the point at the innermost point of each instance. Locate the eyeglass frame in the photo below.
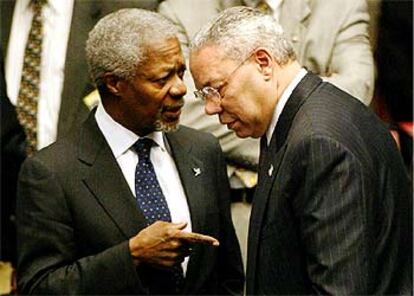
(215, 92)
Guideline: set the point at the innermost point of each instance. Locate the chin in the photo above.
(242, 135)
(166, 127)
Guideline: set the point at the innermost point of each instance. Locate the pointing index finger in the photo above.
(197, 238)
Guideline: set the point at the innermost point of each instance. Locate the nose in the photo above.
(178, 89)
(212, 108)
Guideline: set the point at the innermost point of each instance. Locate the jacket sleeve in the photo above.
(334, 212)
(48, 252)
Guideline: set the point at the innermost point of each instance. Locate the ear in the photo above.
(114, 84)
(264, 61)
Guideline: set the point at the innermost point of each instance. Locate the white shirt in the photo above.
(282, 102)
(121, 140)
(57, 16)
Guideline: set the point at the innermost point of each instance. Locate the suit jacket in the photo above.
(76, 213)
(332, 212)
(12, 155)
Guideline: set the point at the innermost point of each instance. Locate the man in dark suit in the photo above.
(88, 205)
(73, 110)
(332, 213)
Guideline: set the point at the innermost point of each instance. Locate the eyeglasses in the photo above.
(211, 94)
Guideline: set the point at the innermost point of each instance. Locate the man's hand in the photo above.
(165, 244)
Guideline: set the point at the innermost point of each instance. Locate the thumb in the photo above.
(180, 225)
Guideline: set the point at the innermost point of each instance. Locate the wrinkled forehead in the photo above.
(161, 51)
(209, 64)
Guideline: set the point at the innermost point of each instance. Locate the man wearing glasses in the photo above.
(332, 212)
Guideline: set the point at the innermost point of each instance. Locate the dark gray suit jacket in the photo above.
(333, 209)
(76, 213)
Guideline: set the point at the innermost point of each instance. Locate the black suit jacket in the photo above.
(332, 211)
(13, 142)
(76, 213)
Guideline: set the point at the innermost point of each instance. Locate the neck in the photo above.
(285, 75)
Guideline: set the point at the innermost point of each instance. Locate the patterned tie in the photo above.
(149, 196)
(27, 99)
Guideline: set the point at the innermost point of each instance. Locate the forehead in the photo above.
(161, 54)
(209, 64)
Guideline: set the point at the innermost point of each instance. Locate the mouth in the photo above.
(172, 113)
(230, 125)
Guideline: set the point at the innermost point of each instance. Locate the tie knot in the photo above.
(143, 147)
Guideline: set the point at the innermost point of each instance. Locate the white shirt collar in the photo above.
(119, 138)
(282, 102)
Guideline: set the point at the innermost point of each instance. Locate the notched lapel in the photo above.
(260, 201)
(105, 180)
(275, 157)
(192, 175)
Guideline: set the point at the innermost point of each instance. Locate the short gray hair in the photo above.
(239, 30)
(117, 42)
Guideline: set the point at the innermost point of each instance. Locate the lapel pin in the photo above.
(197, 171)
(270, 171)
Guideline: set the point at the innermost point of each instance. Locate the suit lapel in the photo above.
(192, 175)
(269, 168)
(267, 174)
(188, 167)
(106, 182)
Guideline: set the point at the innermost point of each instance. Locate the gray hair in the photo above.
(117, 43)
(239, 30)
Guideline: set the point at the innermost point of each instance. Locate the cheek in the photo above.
(149, 101)
(247, 109)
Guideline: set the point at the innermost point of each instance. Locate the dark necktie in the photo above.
(26, 106)
(263, 150)
(262, 158)
(150, 198)
(149, 195)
